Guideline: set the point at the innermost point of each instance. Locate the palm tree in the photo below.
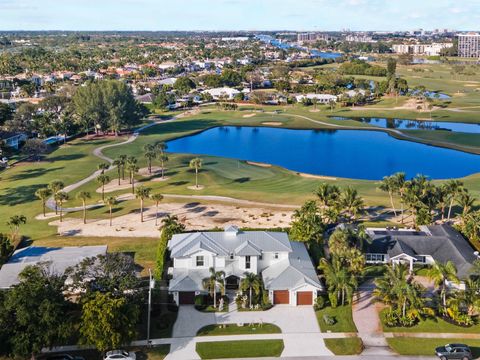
(351, 202)
(388, 185)
(130, 163)
(214, 281)
(399, 185)
(56, 186)
(196, 164)
(149, 155)
(111, 201)
(118, 164)
(102, 167)
(157, 198)
(60, 198)
(327, 195)
(103, 179)
(466, 201)
(14, 223)
(160, 149)
(122, 159)
(455, 187)
(43, 194)
(142, 193)
(340, 281)
(84, 196)
(441, 274)
(252, 283)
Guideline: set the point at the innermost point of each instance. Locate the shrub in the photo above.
(332, 297)
(320, 302)
(329, 320)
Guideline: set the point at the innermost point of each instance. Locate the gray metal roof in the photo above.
(59, 258)
(442, 242)
(224, 243)
(188, 280)
(293, 272)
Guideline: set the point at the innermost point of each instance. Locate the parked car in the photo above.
(63, 357)
(454, 351)
(120, 355)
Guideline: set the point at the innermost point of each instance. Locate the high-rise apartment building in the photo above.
(469, 45)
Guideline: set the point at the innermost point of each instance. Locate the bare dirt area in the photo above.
(195, 216)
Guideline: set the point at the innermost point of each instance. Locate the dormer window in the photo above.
(232, 256)
(200, 261)
(276, 256)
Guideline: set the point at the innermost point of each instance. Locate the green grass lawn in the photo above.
(234, 329)
(343, 316)
(420, 346)
(431, 325)
(345, 346)
(240, 349)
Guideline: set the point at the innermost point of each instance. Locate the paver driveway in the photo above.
(300, 331)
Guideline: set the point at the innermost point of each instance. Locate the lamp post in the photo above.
(151, 285)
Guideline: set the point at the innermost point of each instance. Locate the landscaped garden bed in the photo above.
(240, 349)
(234, 329)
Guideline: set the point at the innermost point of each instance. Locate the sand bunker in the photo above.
(272, 123)
(249, 115)
(113, 186)
(194, 215)
(258, 164)
(320, 177)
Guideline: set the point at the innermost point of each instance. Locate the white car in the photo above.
(120, 355)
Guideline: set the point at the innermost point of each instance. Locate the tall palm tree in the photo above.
(252, 283)
(196, 164)
(455, 187)
(102, 167)
(160, 149)
(441, 274)
(327, 194)
(142, 193)
(388, 185)
(157, 198)
(214, 281)
(14, 223)
(122, 159)
(149, 153)
(103, 179)
(118, 164)
(56, 186)
(398, 180)
(351, 202)
(84, 196)
(340, 281)
(111, 201)
(60, 197)
(466, 201)
(131, 162)
(43, 194)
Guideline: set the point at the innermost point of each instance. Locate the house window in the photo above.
(200, 261)
(247, 262)
(260, 257)
(231, 256)
(276, 256)
(375, 258)
(421, 259)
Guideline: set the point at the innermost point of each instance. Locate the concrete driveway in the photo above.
(300, 331)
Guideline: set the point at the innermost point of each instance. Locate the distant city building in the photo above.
(434, 49)
(360, 38)
(306, 37)
(469, 45)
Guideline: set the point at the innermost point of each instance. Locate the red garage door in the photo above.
(186, 297)
(304, 298)
(281, 297)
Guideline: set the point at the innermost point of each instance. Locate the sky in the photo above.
(301, 15)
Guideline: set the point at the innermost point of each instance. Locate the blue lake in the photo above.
(405, 124)
(357, 154)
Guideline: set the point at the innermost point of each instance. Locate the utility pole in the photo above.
(151, 285)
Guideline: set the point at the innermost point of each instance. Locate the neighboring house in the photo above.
(285, 266)
(439, 243)
(168, 81)
(321, 98)
(59, 259)
(146, 98)
(12, 140)
(222, 93)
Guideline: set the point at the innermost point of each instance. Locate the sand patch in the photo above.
(471, 85)
(258, 164)
(314, 110)
(156, 170)
(320, 177)
(195, 216)
(272, 123)
(249, 115)
(196, 188)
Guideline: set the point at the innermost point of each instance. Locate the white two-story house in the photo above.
(285, 266)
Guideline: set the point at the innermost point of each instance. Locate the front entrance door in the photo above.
(232, 282)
